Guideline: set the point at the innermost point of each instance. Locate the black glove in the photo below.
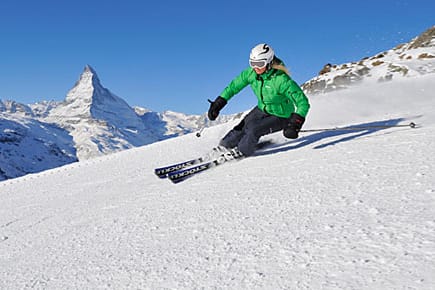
(294, 126)
(216, 107)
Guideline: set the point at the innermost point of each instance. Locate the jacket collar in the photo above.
(267, 74)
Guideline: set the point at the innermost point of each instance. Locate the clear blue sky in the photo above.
(173, 55)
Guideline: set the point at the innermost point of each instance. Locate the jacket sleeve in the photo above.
(237, 84)
(298, 97)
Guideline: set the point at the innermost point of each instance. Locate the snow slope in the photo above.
(330, 210)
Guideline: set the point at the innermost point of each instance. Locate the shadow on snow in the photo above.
(343, 132)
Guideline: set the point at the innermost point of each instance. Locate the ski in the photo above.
(185, 173)
(163, 172)
(204, 162)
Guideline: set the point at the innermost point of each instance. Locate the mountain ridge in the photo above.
(417, 57)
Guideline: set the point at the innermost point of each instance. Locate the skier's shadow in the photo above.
(347, 135)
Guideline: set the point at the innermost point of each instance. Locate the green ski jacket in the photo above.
(276, 92)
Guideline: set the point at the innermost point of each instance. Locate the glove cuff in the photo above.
(219, 103)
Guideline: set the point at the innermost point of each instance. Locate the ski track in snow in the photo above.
(350, 210)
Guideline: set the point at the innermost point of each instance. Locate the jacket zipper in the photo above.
(261, 92)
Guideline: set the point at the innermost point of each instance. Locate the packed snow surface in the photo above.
(330, 210)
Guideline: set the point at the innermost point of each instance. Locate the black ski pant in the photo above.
(246, 134)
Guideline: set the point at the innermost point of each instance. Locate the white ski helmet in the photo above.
(261, 55)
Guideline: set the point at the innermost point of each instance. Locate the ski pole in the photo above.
(411, 125)
(198, 134)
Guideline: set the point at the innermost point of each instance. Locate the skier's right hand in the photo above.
(216, 107)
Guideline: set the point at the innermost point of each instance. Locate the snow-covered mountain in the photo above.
(99, 121)
(14, 108)
(405, 60)
(330, 210)
(27, 145)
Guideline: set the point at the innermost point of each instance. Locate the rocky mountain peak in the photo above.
(411, 59)
(99, 121)
(426, 39)
(89, 69)
(84, 88)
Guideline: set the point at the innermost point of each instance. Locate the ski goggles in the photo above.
(261, 63)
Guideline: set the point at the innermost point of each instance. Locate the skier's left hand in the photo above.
(294, 126)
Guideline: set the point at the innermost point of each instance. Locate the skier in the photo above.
(282, 105)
